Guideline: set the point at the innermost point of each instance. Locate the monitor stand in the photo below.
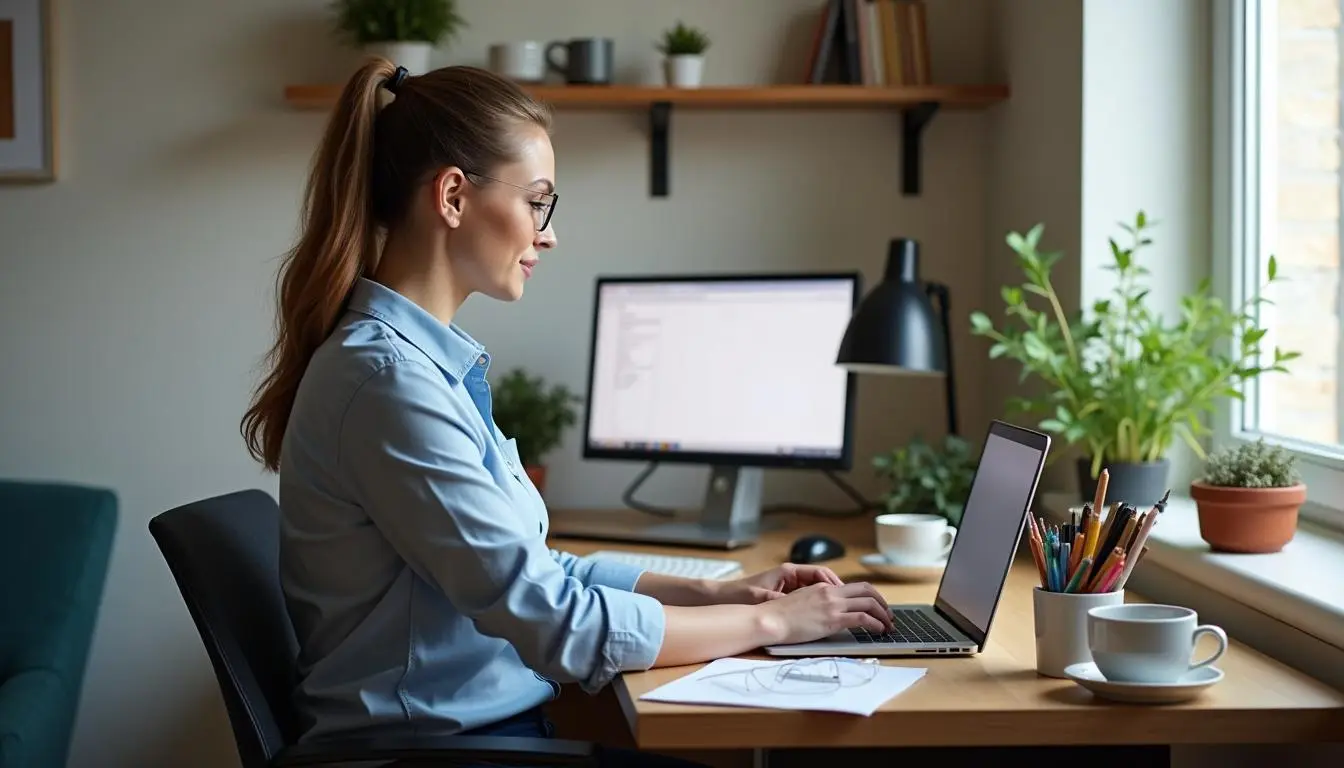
(730, 517)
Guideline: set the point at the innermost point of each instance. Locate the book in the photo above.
(872, 43)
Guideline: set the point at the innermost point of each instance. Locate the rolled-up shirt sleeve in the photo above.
(592, 573)
(418, 469)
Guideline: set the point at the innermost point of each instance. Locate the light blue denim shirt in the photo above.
(413, 553)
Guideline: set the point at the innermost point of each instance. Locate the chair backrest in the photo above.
(56, 543)
(224, 553)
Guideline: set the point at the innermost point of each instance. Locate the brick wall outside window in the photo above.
(1306, 404)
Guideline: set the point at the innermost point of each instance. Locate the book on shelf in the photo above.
(871, 42)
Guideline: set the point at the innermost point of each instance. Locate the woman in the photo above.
(414, 559)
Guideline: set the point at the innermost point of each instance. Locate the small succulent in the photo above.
(1252, 465)
(683, 40)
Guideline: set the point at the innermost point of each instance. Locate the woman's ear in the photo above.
(449, 189)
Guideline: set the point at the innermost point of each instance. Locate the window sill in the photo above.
(1302, 586)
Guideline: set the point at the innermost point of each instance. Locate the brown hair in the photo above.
(362, 181)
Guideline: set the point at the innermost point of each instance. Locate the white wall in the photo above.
(137, 290)
(1093, 133)
(1146, 145)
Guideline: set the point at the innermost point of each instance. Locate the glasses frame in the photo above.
(552, 197)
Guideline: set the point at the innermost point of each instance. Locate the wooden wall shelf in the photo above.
(917, 105)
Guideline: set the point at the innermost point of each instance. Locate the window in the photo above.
(1277, 179)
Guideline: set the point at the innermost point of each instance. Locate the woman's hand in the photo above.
(820, 610)
(772, 584)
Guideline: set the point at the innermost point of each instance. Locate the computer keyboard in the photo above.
(909, 627)
(674, 565)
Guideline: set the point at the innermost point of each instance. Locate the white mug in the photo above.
(1145, 643)
(524, 62)
(911, 538)
(1061, 627)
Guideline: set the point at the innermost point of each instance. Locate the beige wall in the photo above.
(1035, 168)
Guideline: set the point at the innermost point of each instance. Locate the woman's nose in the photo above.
(545, 238)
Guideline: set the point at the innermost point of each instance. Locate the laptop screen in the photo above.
(987, 539)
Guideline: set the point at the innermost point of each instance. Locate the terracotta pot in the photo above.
(1247, 520)
(537, 474)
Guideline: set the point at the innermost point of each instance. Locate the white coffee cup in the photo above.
(912, 538)
(1146, 643)
(524, 61)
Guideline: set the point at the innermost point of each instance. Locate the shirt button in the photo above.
(480, 360)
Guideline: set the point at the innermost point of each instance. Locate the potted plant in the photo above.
(1248, 498)
(535, 416)
(683, 50)
(1124, 382)
(403, 31)
(928, 478)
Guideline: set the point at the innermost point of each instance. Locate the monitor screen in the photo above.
(734, 369)
(991, 524)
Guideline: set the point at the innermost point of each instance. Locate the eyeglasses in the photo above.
(541, 211)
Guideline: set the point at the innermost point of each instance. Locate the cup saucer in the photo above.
(1189, 686)
(900, 570)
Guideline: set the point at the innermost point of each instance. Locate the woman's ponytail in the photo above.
(337, 244)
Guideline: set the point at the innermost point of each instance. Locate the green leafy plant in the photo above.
(928, 478)
(1125, 382)
(683, 40)
(533, 414)
(378, 21)
(1252, 465)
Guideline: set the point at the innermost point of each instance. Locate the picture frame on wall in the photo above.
(27, 92)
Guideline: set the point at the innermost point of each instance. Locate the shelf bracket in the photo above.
(913, 122)
(660, 117)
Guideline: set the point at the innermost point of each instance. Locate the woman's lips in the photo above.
(528, 266)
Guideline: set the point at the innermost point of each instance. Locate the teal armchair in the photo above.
(55, 543)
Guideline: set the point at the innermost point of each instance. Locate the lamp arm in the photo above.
(940, 292)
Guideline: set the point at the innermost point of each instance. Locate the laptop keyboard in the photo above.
(911, 626)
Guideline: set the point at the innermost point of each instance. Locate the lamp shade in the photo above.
(896, 328)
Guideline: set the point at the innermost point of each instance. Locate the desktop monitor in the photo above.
(736, 372)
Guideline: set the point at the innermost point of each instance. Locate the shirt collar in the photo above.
(447, 345)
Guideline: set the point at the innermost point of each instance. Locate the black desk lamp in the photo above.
(896, 330)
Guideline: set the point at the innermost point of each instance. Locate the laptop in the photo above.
(957, 622)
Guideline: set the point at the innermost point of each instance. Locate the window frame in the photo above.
(1238, 133)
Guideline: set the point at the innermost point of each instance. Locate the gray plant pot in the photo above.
(1141, 485)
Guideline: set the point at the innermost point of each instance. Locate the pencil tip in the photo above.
(1165, 496)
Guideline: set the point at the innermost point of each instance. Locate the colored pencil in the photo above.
(1092, 552)
(1077, 579)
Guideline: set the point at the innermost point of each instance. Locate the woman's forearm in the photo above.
(704, 633)
(675, 590)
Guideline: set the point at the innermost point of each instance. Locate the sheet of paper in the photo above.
(854, 686)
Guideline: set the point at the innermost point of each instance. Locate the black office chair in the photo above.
(224, 554)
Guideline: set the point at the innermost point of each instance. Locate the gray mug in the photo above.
(587, 60)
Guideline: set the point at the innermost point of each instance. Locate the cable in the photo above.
(862, 506)
(628, 497)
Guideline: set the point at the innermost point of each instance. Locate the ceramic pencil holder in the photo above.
(1061, 627)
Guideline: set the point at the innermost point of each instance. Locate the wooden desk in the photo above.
(995, 698)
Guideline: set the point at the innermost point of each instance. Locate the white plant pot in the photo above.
(414, 56)
(684, 70)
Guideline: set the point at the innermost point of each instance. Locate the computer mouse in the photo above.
(814, 548)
